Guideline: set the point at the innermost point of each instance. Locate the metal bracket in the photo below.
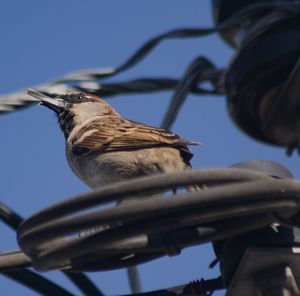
(267, 272)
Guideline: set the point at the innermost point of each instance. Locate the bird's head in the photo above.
(75, 108)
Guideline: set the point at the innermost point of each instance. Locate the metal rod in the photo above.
(13, 261)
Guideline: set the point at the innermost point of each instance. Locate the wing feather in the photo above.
(113, 133)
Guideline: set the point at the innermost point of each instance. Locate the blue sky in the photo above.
(42, 40)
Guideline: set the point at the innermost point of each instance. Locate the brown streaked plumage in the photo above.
(109, 133)
(103, 147)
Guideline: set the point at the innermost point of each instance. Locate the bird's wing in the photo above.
(113, 133)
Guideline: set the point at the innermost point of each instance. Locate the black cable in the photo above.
(20, 99)
(35, 281)
(86, 286)
(147, 47)
(9, 217)
(193, 75)
(147, 85)
(198, 286)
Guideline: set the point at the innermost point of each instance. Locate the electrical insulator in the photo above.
(263, 80)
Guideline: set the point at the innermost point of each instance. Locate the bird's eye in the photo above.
(81, 97)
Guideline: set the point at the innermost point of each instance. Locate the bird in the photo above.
(102, 147)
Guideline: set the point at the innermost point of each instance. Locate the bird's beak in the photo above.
(58, 105)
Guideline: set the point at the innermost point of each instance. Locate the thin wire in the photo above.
(14, 101)
(145, 49)
(145, 85)
(206, 285)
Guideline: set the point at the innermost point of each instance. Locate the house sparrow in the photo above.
(103, 147)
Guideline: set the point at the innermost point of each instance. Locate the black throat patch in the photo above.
(66, 122)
